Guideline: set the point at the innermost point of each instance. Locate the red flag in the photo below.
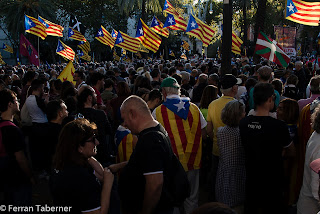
(27, 49)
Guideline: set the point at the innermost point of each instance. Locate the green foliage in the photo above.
(13, 13)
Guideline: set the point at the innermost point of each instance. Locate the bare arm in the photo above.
(118, 166)
(98, 169)
(210, 130)
(152, 192)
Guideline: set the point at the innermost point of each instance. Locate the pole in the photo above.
(39, 51)
(226, 37)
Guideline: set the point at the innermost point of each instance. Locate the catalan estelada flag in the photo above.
(35, 27)
(127, 42)
(302, 12)
(171, 53)
(65, 51)
(115, 55)
(124, 143)
(1, 60)
(85, 46)
(181, 119)
(7, 48)
(157, 26)
(147, 37)
(84, 55)
(105, 37)
(52, 29)
(67, 73)
(185, 45)
(180, 22)
(200, 30)
(114, 34)
(76, 35)
(236, 44)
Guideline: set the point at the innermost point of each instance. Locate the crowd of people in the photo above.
(108, 141)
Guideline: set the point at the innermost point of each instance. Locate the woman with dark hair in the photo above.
(309, 199)
(78, 180)
(230, 183)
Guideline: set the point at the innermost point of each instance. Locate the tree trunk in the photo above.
(245, 24)
(261, 14)
(226, 38)
(143, 11)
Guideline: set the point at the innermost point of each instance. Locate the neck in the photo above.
(58, 121)
(262, 111)
(87, 105)
(7, 115)
(151, 123)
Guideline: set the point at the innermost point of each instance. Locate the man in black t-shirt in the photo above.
(142, 180)
(16, 177)
(264, 139)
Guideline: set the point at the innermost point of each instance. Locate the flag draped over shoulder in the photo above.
(35, 27)
(85, 46)
(27, 49)
(200, 30)
(7, 48)
(52, 29)
(270, 50)
(76, 35)
(236, 44)
(105, 37)
(302, 12)
(65, 51)
(127, 42)
(180, 22)
(147, 37)
(157, 26)
(67, 73)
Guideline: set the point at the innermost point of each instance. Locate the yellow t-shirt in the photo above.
(214, 116)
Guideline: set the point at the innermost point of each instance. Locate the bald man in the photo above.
(141, 181)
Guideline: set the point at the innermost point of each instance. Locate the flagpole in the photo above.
(39, 51)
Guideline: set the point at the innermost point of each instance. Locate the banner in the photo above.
(286, 37)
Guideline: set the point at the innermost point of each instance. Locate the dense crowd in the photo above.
(109, 141)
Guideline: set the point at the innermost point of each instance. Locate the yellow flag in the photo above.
(67, 73)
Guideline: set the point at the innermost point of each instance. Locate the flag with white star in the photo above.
(127, 42)
(52, 29)
(65, 51)
(306, 13)
(105, 37)
(147, 37)
(114, 33)
(180, 22)
(35, 27)
(76, 35)
(200, 30)
(179, 106)
(157, 26)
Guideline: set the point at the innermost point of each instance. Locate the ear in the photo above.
(80, 149)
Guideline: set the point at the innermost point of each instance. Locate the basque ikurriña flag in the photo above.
(269, 49)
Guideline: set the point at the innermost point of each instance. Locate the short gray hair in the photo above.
(226, 91)
(171, 90)
(185, 75)
(232, 112)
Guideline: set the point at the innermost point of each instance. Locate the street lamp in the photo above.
(211, 11)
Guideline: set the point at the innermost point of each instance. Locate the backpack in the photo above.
(3, 152)
(176, 188)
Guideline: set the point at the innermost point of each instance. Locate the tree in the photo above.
(13, 13)
(127, 6)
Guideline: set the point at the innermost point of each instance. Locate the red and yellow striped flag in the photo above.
(76, 35)
(302, 12)
(157, 26)
(52, 29)
(105, 37)
(236, 44)
(148, 38)
(35, 27)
